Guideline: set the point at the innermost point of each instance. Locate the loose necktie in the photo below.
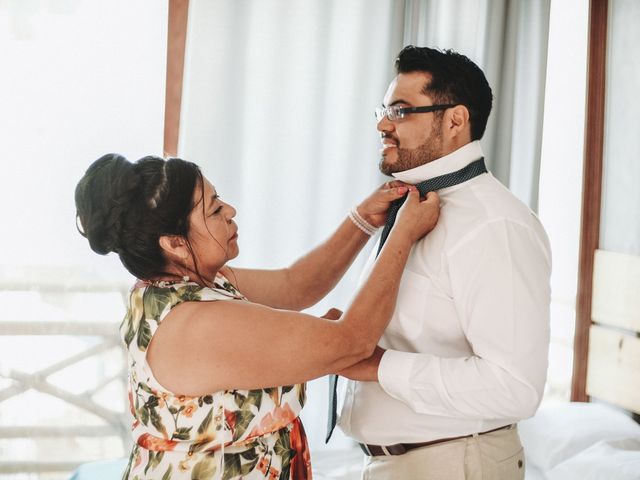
(443, 181)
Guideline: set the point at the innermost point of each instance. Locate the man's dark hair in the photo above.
(454, 79)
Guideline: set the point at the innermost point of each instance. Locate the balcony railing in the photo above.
(100, 338)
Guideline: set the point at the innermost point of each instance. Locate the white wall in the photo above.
(79, 79)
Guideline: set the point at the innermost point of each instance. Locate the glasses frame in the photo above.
(395, 112)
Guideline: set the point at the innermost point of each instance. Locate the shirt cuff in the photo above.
(394, 374)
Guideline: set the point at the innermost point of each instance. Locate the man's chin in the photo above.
(387, 167)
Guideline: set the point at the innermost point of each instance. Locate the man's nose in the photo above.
(385, 125)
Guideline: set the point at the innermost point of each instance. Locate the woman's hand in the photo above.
(333, 314)
(374, 208)
(417, 217)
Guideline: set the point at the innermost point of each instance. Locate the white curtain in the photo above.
(278, 108)
(620, 227)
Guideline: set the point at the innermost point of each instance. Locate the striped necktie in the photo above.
(433, 184)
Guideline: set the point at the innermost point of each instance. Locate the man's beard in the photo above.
(407, 158)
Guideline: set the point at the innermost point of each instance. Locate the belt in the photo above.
(401, 448)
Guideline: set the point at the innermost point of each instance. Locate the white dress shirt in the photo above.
(468, 341)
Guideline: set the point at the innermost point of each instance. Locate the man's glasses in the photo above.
(396, 113)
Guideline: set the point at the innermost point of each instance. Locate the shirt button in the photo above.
(519, 463)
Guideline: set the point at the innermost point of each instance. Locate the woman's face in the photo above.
(212, 232)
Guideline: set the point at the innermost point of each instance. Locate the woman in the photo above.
(219, 356)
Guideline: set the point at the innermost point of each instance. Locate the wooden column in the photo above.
(591, 191)
(176, 42)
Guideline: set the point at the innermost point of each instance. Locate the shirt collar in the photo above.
(449, 163)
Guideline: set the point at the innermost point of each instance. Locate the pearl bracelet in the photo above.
(361, 223)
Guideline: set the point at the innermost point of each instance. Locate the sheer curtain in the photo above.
(278, 108)
(278, 101)
(620, 223)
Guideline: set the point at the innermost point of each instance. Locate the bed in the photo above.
(599, 440)
(581, 441)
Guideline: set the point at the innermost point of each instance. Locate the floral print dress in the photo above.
(227, 435)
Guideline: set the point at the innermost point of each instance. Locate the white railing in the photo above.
(103, 339)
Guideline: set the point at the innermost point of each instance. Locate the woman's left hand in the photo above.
(333, 314)
(374, 208)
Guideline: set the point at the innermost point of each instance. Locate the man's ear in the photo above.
(173, 246)
(458, 121)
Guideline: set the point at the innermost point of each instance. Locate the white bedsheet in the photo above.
(609, 459)
(581, 441)
(533, 473)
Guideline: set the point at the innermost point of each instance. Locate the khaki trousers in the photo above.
(492, 456)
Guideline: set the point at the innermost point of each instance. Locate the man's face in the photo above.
(415, 139)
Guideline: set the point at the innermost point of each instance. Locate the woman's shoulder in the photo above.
(150, 302)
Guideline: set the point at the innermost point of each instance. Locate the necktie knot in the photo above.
(431, 185)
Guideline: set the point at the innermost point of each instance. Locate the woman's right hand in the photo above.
(418, 217)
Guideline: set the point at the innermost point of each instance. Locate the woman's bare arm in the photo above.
(203, 347)
(314, 275)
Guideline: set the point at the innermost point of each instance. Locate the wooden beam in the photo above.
(176, 43)
(591, 191)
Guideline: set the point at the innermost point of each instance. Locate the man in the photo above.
(465, 354)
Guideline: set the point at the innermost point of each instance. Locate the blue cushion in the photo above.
(102, 470)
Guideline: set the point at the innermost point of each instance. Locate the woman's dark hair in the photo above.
(454, 79)
(126, 207)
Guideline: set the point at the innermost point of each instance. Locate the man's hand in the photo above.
(365, 370)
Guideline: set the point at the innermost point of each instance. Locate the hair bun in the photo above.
(103, 195)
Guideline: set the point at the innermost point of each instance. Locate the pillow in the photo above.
(610, 459)
(558, 432)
